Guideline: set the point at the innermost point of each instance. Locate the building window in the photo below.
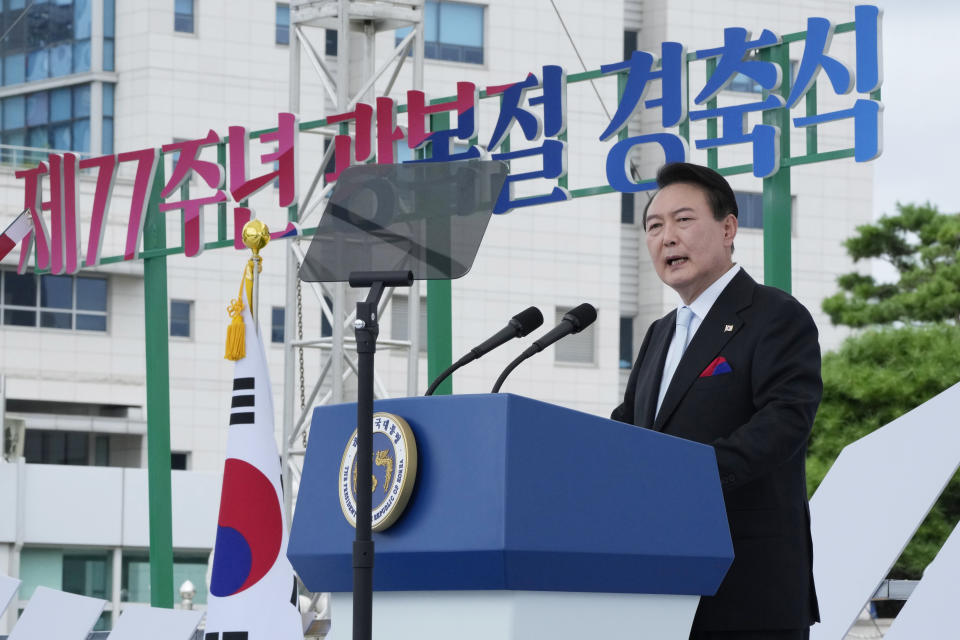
(577, 348)
(626, 208)
(54, 119)
(629, 43)
(57, 447)
(451, 31)
(283, 23)
(749, 209)
(183, 16)
(277, 318)
(54, 302)
(108, 35)
(400, 328)
(180, 312)
(179, 460)
(626, 342)
(51, 41)
(135, 576)
(330, 42)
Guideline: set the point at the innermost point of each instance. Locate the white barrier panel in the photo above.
(8, 587)
(55, 614)
(931, 610)
(871, 503)
(147, 623)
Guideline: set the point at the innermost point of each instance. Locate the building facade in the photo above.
(98, 77)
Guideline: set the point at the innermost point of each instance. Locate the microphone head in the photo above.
(581, 316)
(526, 321)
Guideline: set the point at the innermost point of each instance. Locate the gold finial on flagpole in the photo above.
(255, 236)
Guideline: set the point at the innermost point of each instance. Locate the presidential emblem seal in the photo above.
(394, 471)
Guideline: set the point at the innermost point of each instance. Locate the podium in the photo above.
(527, 520)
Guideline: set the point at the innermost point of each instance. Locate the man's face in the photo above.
(690, 249)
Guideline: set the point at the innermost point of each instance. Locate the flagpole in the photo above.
(255, 236)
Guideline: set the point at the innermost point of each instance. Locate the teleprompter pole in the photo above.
(367, 327)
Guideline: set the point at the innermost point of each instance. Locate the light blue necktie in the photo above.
(675, 352)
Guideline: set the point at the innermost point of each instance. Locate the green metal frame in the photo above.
(777, 272)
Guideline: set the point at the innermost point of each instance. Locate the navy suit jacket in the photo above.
(758, 417)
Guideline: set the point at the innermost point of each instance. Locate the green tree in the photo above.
(923, 245)
(911, 353)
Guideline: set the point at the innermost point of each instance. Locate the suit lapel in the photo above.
(648, 382)
(723, 321)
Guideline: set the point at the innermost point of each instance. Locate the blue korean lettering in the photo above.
(672, 76)
(618, 159)
(554, 153)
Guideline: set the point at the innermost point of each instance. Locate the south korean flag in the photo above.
(253, 594)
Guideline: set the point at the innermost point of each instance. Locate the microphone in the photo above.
(574, 321)
(518, 326)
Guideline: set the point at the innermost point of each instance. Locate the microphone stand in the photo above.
(367, 328)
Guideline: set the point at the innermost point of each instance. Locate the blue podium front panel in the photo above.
(517, 494)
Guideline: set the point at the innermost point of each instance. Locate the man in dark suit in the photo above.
(735, 366)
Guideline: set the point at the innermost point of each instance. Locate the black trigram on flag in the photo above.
(227, 635)
(241, 408)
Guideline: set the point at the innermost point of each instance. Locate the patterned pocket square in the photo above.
(715, 368)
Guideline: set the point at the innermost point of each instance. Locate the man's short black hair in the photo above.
(715, 187)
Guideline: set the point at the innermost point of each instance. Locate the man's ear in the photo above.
(730, 226)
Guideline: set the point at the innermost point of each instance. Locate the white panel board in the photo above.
(518, 615)
(871, 503)
(932, 607)
(149, 623)
(8, 587)
(55, 614)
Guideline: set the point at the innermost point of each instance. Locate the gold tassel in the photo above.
(236, 347)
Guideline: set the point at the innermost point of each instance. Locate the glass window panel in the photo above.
(91, 323)
(39, 566)
(14, 140)
(87, 573)
(626, 342)
(16, 39)
(194, 570)
(283, 24)
(81, 19)
(330, 42)
(54, 447)
(81, 56)
(38, 65)
(16, 4)
(180, 318)
(108, 55)
(108, 91)
(430, 29)
(81, 101)
(135, 579)
(14, 110)
(461, 24)
(20, 318)
(51, 320)
(61, 60)
(92, 294)
(37, 25)
(20, 290)
(108, 18)
(60, 27)
(38, 109)
(473, 54)
(107, 139)
(32, 449)
(183, 16)
(38, 138)
(13, 69)
(81, 135)
(60, 105)
(276, 324)
(56, 292)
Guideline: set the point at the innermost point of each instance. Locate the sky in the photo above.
(920, 94)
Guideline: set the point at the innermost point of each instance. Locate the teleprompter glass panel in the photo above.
(428, 218)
